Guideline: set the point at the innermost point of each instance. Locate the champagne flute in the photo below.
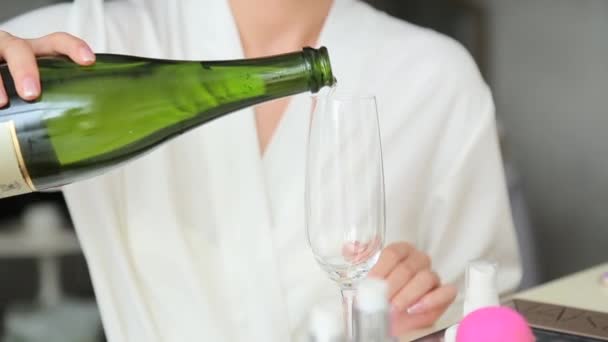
(345, 212)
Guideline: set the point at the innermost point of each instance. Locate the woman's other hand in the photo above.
(416, 294)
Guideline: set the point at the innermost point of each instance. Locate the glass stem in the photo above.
(348, 297)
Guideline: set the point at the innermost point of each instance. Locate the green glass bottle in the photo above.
(93, 118)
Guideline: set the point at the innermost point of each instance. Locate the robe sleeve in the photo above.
(467, 214)
(446, 185)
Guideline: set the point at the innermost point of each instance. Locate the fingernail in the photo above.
(30, 87)
(416, 308)
(86, 54)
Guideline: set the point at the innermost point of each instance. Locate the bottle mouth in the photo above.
(329, 79)
(320, 66)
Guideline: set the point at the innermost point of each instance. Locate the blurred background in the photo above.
(545, 61)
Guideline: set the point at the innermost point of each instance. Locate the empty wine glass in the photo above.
(345, 213)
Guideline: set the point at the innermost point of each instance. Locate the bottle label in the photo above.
(14, 179)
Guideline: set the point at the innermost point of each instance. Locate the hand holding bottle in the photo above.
(20, 56)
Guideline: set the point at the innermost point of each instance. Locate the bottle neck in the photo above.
(226, 86)
(308, 70)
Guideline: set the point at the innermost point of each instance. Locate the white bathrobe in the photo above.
(203, 239)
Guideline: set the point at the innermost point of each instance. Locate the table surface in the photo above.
(581, 290)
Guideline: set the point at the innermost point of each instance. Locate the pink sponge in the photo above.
(494, 324)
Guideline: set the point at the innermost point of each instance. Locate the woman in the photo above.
(202, 240)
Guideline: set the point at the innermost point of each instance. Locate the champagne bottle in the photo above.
(90, 119)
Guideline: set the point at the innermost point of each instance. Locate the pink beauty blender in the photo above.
(494, 324)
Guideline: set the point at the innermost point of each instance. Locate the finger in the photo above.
(22, 65)
(61, 43)
(421, 284)
(4, 38)
(438, 299)
(389, 258)
(3, 96)
(403, 272)
(402, 323)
